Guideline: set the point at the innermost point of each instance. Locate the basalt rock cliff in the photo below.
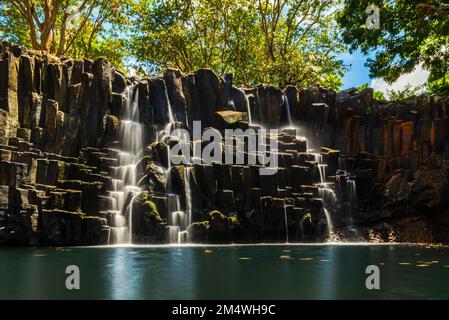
(378, 171)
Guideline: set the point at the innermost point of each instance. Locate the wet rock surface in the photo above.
(378, 171)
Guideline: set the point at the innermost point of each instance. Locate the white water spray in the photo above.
(125, 179)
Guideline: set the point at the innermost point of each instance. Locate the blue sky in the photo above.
(357, 74)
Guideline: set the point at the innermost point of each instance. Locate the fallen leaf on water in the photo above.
(207, 251)
(381, 264)
(446, 266)
(306, 259)
(428, 262)
(285, 257)
(404, 263)
(423, 265)
(244, 258)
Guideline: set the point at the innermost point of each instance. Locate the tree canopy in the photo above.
(411, 32)
(259, 41)
(81, 29)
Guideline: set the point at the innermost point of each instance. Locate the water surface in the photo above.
(226, 272)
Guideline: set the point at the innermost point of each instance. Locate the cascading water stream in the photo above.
(326, 193)
(288, 111)
(188, 194)
(125, 180)
(179, 220)
(286, 223)
(248, 108)
(330, 226)
(352, 197)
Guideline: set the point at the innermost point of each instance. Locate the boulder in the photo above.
(147, 224)
(197, 231)
(230, 119)
(93, 230)
(268, 112)
(61, 228)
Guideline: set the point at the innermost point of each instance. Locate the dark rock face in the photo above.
(147, 224)
(269, 103)
(385, 165)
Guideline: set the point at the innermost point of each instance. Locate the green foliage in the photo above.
(440, 85)
(80, 29)
(411, 32)
(259, 41)
(397, 95)
(377, 95)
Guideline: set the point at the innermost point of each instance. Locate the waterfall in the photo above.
(352, 192)
(321, 167)
(326, 194)
(178, 220)
(188, 194)
(288, 111)
(330, 225)
(248, 108)
(286, 222)
(329, 200)
(171, 118)
(351, 197)
(322, 170)
(124, 182)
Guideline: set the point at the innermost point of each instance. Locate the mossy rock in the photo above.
(215, 214)
(218, 221)
(307, 218)
(147, 224)
(152, 208)
(198, 231)
(62, 170)
(234, 220)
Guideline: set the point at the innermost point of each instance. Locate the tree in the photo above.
(411, 32)
(398, 95)
(65, 27)
(271, 41)
(378, 95)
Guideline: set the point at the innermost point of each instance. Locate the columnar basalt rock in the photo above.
(378, 167)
